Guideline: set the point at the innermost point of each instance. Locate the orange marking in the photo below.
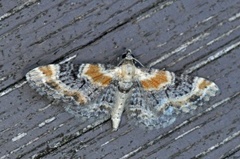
(204, 84)
(76, 95)
(179, 103)
(46, 70)
(159, 80)
(53, 84)
(97, 76)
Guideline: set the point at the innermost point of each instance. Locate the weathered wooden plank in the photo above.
(6, 7)
(53, 30)
(200, 38)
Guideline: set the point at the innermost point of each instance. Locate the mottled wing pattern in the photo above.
(160, 96)
(99, 107)
(87, 89)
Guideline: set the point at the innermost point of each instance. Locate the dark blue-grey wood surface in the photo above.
(185, 36)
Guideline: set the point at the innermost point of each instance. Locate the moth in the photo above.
(152, 98)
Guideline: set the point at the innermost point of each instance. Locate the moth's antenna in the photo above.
(128, 56)
(138, 62)
(120, 62)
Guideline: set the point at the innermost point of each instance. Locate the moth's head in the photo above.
(128, 55)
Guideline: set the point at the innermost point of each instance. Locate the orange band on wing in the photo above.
(77, 96)
(49, 72)
(95, 74)
(204, 84)
(155, 82)
(46, 70)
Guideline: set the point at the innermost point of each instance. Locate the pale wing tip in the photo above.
(211, 91)
(33, 78)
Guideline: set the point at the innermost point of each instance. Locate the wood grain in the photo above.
(194, 37)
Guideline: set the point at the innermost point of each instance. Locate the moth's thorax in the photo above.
(127, 72)
(126, 76)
